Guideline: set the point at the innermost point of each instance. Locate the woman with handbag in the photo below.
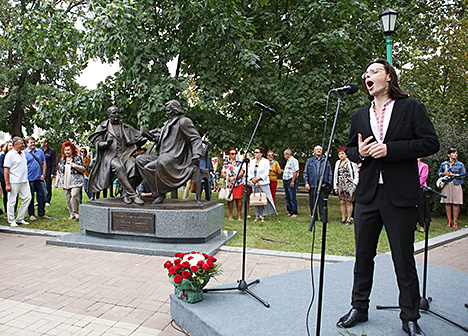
(258, 174)
(71, 177)
(453, 189)
(229, 173)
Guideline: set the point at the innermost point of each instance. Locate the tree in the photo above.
(39, 55)
(286, 54)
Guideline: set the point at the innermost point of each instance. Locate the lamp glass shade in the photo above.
(388, 19)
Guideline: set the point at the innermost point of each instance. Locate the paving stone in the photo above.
(86, 292)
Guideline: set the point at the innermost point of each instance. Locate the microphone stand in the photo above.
(243, 284)
(424, 302)
(324, 220)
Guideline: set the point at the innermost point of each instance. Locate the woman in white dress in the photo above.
(258, 174)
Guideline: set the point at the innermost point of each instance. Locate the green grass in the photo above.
(277, 233)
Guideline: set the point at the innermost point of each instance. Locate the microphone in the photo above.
(266, 108)
(349, 88)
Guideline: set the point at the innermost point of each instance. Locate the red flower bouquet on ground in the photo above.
(190, 272)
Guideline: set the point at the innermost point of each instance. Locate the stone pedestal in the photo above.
(173, 221)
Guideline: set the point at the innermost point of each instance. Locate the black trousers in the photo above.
(48, 182)
(399, 225)
(320, 206)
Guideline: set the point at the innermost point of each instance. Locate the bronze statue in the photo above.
(178, 153)
(115, 143)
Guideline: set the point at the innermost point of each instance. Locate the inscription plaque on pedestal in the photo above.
(133, 222)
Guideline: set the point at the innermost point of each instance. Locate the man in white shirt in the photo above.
(291, 170)
(16, 182)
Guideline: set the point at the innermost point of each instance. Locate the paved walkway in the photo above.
(51, 290)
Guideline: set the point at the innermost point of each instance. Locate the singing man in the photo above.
(387, 137)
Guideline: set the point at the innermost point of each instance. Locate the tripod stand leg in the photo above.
(266, 304)
(206, 290)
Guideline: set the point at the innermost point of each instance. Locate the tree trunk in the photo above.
(17, 119)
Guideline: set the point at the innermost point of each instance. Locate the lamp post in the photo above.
(388, 19)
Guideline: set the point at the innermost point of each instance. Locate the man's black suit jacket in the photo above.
(410, 135)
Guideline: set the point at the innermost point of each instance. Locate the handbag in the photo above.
(224, 194)
(442, 181)
(258, 199)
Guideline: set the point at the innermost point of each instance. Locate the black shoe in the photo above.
(354, 316)
(412, 328)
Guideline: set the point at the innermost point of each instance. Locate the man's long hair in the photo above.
(394, 90)
(176, 107)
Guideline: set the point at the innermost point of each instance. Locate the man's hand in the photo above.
(378, 150)
(291, 184)
(42, 178)
(364, 146)
(8, 187)
(307, 186)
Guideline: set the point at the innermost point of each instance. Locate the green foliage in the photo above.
(230, 54)
(39, 56)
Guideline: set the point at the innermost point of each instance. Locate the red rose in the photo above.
(205, 255)
(179, 255)
(210, 263)
(194, 269)
(167, 264)
(206, 267)
(190, 258)
(185, 264)
(200, 263)
(172, 270)
(212, 259)
(177, 278)
(178, 267)
(177, 261)
(186, 274)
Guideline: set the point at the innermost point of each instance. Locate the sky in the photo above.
(97, 72)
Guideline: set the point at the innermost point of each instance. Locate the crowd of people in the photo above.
(71, 172)
(27, 174)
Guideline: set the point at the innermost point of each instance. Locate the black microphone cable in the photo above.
(312, 282)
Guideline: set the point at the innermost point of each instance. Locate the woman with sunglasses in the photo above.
(273, 174)
(258, 174)
(229, 173)
(455, 169)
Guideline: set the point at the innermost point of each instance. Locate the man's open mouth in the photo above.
(369, 84)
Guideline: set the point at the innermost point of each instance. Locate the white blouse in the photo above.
(263, 170)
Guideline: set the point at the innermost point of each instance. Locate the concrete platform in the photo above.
(289, 294)
(139, 246)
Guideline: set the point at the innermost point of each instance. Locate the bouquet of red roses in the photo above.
(194, 266)
(189, 273)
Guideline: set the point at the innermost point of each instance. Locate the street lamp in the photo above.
(388, 19)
